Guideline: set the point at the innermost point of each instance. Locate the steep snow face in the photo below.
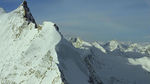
(74, 67)
(27, 54)
(98, 46)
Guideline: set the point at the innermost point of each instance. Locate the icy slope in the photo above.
(27, 54)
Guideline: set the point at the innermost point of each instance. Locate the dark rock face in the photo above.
(92, 74)
(57, 28)
(28, 14)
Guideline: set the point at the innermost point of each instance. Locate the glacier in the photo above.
(31, 53)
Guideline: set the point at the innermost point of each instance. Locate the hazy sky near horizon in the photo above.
(93, 20)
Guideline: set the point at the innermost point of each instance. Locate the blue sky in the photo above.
(93, 20)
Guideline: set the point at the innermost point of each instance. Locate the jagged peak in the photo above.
(113, 42)
(75, 39)
(26, 13)
(112, 45)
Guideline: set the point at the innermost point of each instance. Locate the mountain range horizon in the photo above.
(93, 20)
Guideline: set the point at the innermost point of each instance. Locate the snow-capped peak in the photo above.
(24, 10)
(79, 43)
(112, 45)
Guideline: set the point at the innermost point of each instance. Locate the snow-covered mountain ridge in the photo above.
(39, 54)
(27, 53)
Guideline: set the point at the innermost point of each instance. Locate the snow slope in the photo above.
(39, 54)
(117, 65)
(108, 63)
(27, 54)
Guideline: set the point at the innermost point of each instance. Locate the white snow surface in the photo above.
(27, 55)
(30, 55)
